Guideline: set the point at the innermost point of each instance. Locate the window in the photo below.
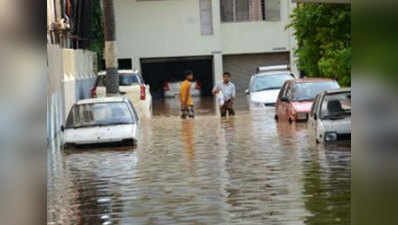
(250, 10)
(206, 17)
(124, 64)
(336, 105)
(269, 82)
(100, 114)
(307, 91)
(127, 80)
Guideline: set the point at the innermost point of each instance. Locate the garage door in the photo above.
(243, 66)
(158, 71)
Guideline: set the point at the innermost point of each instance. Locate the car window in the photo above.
(336, 105)
(288, 92)
(314, 106)
(269, 82)
(307, 91)
(129, 79)
(282, 92)
(99, 114)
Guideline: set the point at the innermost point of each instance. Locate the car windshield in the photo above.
(307, 91)
(336, 105)
(99, 114)
(128, 79)
(269, 82)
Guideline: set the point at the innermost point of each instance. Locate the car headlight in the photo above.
(330, 136)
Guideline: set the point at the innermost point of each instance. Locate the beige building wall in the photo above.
(172, 28)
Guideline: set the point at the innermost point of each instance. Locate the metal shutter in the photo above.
(242, 67)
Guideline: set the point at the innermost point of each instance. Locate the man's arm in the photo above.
(233, 92)
(216, 89)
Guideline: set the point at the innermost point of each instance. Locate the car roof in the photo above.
(260, 74)
(120, 72)
(101, 100)
(312, 80)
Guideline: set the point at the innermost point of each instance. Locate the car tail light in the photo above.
(198, 85)
(143, 94)
(166, 87)
(93, 92)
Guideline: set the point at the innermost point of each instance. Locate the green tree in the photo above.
(323, 33)
(96, 35)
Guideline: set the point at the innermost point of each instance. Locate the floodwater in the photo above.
(242, 170)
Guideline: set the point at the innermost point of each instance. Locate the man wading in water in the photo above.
(229, 92)
(186, 97)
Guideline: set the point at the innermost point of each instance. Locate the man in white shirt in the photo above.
(229, 92)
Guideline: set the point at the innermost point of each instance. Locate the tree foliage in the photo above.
(323, 32)
(96, 34)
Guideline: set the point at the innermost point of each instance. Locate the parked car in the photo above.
(172, 89)
(330, 117)
(132, 86)
(101, 120)
(296, 97)
(264, 87)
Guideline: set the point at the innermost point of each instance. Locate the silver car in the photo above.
(330, 116)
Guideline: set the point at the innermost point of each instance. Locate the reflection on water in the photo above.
(240, 170)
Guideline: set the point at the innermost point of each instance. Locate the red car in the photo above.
(296, 97)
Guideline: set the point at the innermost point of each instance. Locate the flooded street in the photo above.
(242, 170)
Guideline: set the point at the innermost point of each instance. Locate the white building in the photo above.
(162, 38)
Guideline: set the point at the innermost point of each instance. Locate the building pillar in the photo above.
(136, 63)
(218, 69)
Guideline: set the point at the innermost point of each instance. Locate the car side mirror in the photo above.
(247, 92)
(62, 128)
(285, 99)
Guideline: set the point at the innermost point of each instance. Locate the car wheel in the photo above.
(290, 120)
(317, 141)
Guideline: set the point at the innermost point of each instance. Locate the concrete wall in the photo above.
(172, 28)
(70, 78)
(163, 29)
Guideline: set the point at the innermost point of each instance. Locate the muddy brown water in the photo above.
(242, 170)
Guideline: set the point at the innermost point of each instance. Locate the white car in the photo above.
(172, 89)
(264, 87)
(330, 117)
(132, 86)
(101, 120)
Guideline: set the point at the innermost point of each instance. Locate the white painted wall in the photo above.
(161, 29)
(171, 28)
(70, 78)
(253, 37)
